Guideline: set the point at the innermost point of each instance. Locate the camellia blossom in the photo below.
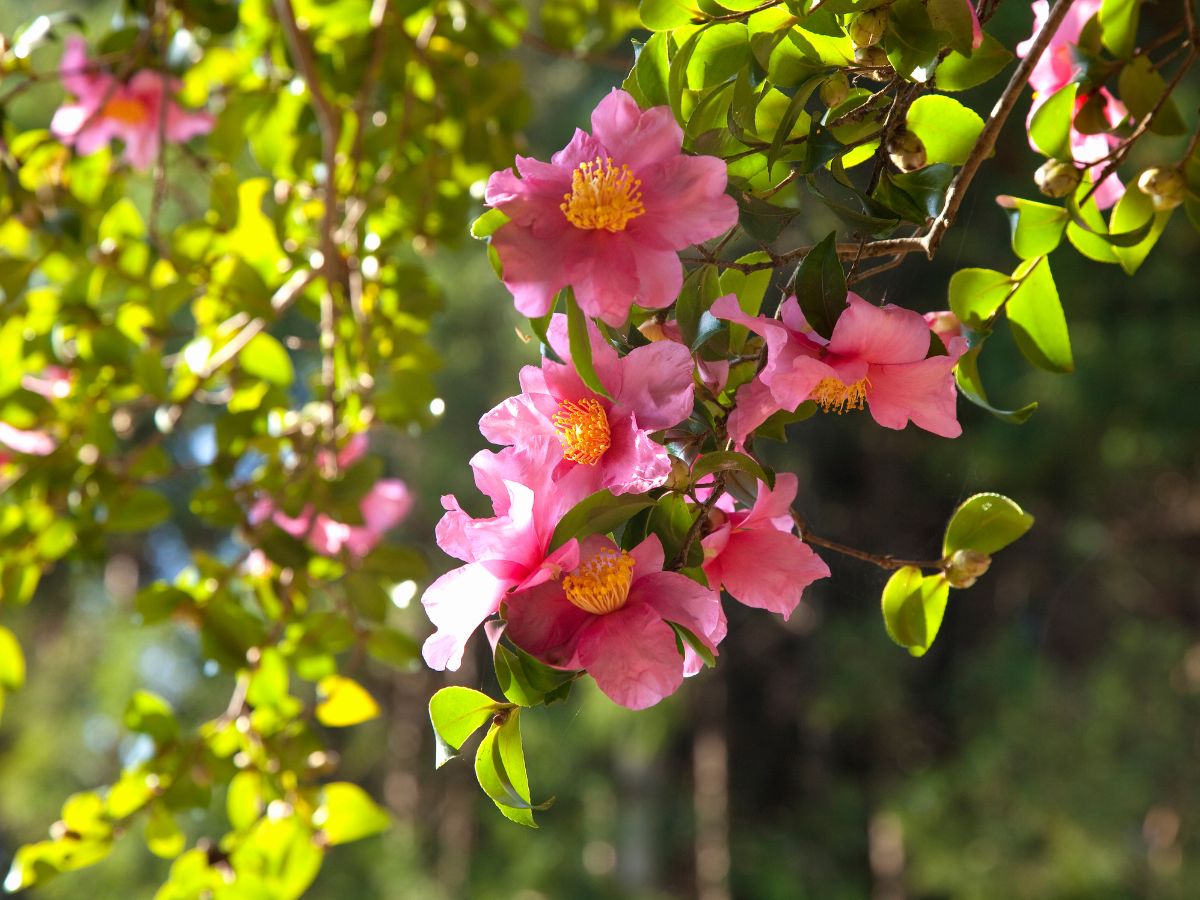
(876, 357)
(509, 552)
(54, 384)
(754, 555)
(1054, 71)
(651, 389)
(607, 214)
(609, 615)
(383, 507)
(107, 108)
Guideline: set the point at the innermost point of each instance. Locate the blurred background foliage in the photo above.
(1045, 747)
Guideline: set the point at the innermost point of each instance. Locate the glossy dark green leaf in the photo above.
(821, 286)
(581, 347)
(959, 72)
(598, 514)
(987, 523)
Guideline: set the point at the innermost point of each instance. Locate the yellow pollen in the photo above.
(601, 585)
(125, 110)
(582, 430)
(833, 395)
(603, 196)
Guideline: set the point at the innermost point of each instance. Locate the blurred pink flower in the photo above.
(609, 616)
(651, 390)
(756, 558)
(32, 442)
(1054, 71)
(383, 507)
(607, 214)
(107, 108)
(508, 552)
(945, 325)
(875, 357)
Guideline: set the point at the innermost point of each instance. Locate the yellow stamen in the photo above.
(603, 196)
(832, 394)
(601, 585)
(125, 110)
(582, 430)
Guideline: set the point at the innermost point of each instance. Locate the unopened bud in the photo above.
(1056, 179)
(1165, 187)
(868, 29)
(966, 566)
(906, 151)
(835, 89)
(680, 477)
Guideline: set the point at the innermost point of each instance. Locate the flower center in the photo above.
(125, 110)
(603, 196)
(601, 585)
(582, 430)
(833, 395)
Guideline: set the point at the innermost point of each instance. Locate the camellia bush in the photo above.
(216, 301)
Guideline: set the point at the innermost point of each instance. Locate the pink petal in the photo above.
(605, 272)
(532, 275)
(634, 138)
(633, 463)
(632, 655)
(657, 385)
(457, 603)
(772, 508)
(685, 203)
(386, 504)
(766, 569)
(879, 334)
(544, 623)
(648, 557)
(564, 382)
(141, 145)
(73, 72)
(660, 278)
(922, 391)
(183, 125)
(520, 418)
(680, 600)
(755, 403)
(32, 443)
(582, 148)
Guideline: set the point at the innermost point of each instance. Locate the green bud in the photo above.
(1056, 179)
(875, 60)
(868, 29)
(835, 89)
(906, 151)
(1165, 187)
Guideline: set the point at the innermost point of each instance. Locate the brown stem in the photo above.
(884, 561)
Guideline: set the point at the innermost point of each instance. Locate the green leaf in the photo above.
(264, 357)
(913, 607)
(1131, 213)
(456, 713)
(244, 801)
(581, 347)
(684, 636)
(163, 837)
(1050, 128)
(1141, 89)
(977, 294)
(524, 680)
(344, 702)
(150, 714)
(725, 460)
(791, 116)
(1118, 27)
(652, 70)
(677, 78)
(1037, 228)
(987, 523)
(911, 43)
(821, 286)
(700, 289)
(959, 72)
(500, 768)
(664, 15)
(139, 511)
(268, 688)
(487, 224)
(720, 52)
(954, 18)
(598, 514)
(347, 813)
(1036, 318)
(917, 196)
(966, 374)
(12, 661)
(948, 129)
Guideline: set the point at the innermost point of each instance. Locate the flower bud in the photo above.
(868, 28)
(680, 476)
(1165, 187)
(652, 330)
(876, 63)
(906, 151)
(965, 567)
(1056, 179)
(835, 89)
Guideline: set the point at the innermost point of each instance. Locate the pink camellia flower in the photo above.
(609, 616)
(107, 108)
(651, 389)
(755, 556)
(607, 214)
(1054, 71)
(876, 357)
(383, 507)
(509, 552)
(32, 442)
